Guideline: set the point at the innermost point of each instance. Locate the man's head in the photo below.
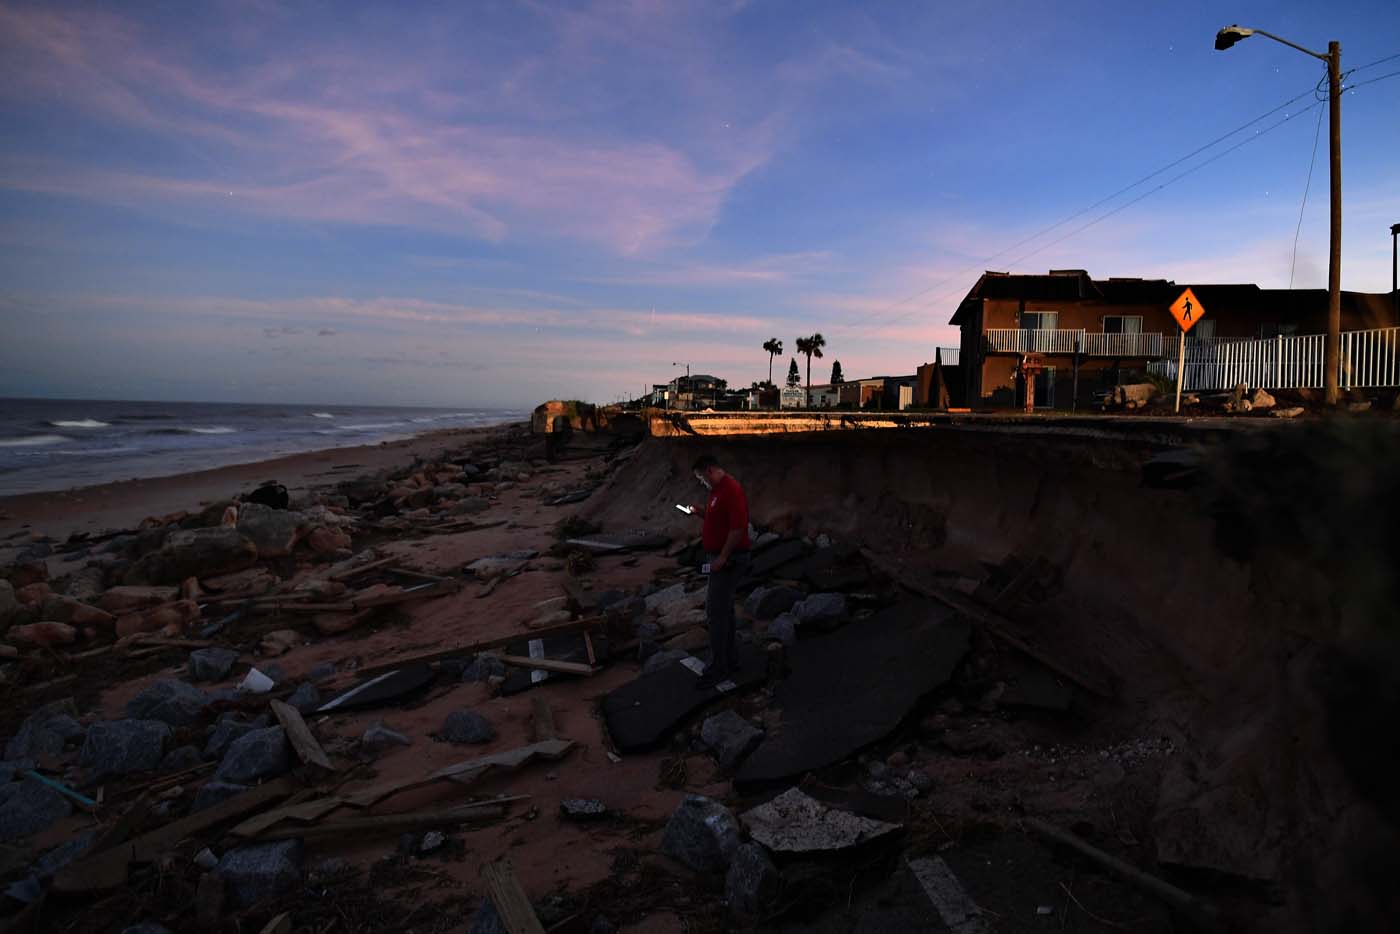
(707, 470)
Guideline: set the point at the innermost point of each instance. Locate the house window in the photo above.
(1277, 330)
(1122, 324)
(1040, 320)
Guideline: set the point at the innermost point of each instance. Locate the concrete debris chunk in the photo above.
(273, 531)
(467, 726)
(795, 822)
(212, 664)
(43, 733)
(181, 758)
(120, 747)
(583, 809)
(261, 871)
(255, 755)
(730, 737)
(702, 834)
(752, 885)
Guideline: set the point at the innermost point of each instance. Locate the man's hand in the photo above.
(698, 509)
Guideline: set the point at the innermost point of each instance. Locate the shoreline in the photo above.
(124, 503)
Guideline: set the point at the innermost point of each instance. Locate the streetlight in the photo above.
(1332, 355)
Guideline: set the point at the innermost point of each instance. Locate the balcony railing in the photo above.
(1067, 340)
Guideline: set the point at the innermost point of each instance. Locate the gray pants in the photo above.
(719, 613)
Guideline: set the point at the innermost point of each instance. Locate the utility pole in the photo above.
(1394, 269)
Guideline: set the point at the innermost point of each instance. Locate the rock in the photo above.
(180, 759)
(783, 629)
(120, 747)
(254, 755)
(663, 659)
(33, 595)
(821, 610)
(261, 871)
(327, 541)
(770, 602)
(27, 807)
(209, 897)
(1136, 393)
(467, 726)
(432, 840)
(663, 599)
(305, 698)
(582, 809)
(211, 664)
(120, 600)
(730, 737)
(702, 834)
(194, 552)
(470, 505)
(1359, 406)
(228, 729)
(1290, 412)
(796, 823)
(44, 732)
(379, 737)
(172, 617)
(273, 531)
(1262, 400)
(483, 668)
(279, 642)
(253, 580)
(752, 884)
(9, 603)
(68, 610)
(215, 792)
(321, 672)
(172, 702)
(43, 635)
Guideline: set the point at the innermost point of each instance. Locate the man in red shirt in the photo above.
(725, 539)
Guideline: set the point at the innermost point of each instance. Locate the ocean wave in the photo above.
(214, 430)
(193, 430)
(322, 415)
(373, 426)
(146, 417)
(32, 441)
(79, 423)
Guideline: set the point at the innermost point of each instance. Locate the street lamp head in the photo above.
(1230, 35)
(1394, 229)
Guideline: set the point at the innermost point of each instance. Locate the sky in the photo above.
(500, 202)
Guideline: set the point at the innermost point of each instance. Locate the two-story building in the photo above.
(1110, 329)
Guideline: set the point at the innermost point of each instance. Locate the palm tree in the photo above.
(774, 347)
(812, 347)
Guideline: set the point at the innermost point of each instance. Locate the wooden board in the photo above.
(472, 648)
(307, 749)
(396, 823)
(516, 914)
(548, 664)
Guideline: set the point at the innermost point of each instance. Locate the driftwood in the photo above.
(307, 749)
(516, 914)
(548, 664)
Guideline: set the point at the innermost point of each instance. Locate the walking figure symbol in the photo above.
(1186, 312)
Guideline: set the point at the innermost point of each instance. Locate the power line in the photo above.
(1317, 135)
(1379, 61)
(1352, 87)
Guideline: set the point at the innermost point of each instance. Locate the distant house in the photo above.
(886, 393)
(825, 395)
(1113, 327)
(699, 391)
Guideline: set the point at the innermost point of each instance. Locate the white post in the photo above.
(1180, 368)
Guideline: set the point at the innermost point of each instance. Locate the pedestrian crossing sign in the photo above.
(1187, 310)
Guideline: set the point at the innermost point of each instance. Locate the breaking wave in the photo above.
(79, 423)
(32, 441)
(322, 415)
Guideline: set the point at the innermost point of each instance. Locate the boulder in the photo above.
(467, 726)
(125, 599)
(261, 871)
(255, 755)
(753, 884)
(33, 595)
(171, 617)
(44, 731)
(273, 531)
(228, 729)
(194, 553)
(27, 807)
(674, 597)
(324, 540)
(1136, 394)
(174, 702)
(215, 792)
(69, 610)
(770, 602)
(1262, 400)
(305, 698)
(783, 629)
(1291, 412)
(702, 834)
(821, 610)
(730, 737)
(9, 603)
(120, 747)
(43, 635)
(212, 664)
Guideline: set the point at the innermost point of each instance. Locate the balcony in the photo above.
(1066, 340)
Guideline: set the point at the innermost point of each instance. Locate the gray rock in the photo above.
(702, 834)
(432, 840)
(783, 629)
(626, 610)
(274, 671)
(471, 505)
(753, 884)
(305, 698)
(212, 664)
(120, 747)
(273, 531)
(42, 733)
(9, 606)
(254, 755)
(322, 671)
(583, 809)
(821, 610)
(174, 702)
(27, 807)
(87, 584)
(261, 871)
(181, 758)
(379, 737)
(730, 737)
(66, 728)
(467, 726)
(769, 602)
(483, 668)
(215, 792)
(228, 729)
(662, 659)
(194, 553)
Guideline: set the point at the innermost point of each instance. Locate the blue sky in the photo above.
(495, 203)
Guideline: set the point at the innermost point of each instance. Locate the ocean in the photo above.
(55, 444)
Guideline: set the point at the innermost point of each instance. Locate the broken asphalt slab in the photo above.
(852, 687)
(646, 711)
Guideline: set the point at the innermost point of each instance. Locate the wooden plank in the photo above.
(542, 716)
(472, 648)
(389, 599)
(395, 823)
(510, 759)
(588, 647)
(108, 869)
(303, 811)
(307, 749)
(548, 664)
(361, 568)
(516, 914)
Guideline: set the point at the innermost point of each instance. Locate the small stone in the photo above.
(261, 871)
(702, 834)
(770, 602)
(730, 737)
(752, 884)
(321, 672)
(211, 664)
(120, 747)
(583, 809)
(215, 792)
(205, 859)
(305, 698)
(379, 737)
(484, 668)
(432, 840)
(256, 754)
(467, 726)
(172, 702)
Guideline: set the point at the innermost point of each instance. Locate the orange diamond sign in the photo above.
(1187, 310)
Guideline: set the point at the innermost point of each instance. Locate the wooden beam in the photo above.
(361, 568)
(307, 749)
(548, 664)
(516, 914)
(472, 648)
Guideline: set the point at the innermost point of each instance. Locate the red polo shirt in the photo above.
(726, 511)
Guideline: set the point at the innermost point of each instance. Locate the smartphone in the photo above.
(688, 510)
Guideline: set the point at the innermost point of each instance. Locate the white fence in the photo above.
(1068, 340)
(1369, 360)
(950, 355)
(1123, 345)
